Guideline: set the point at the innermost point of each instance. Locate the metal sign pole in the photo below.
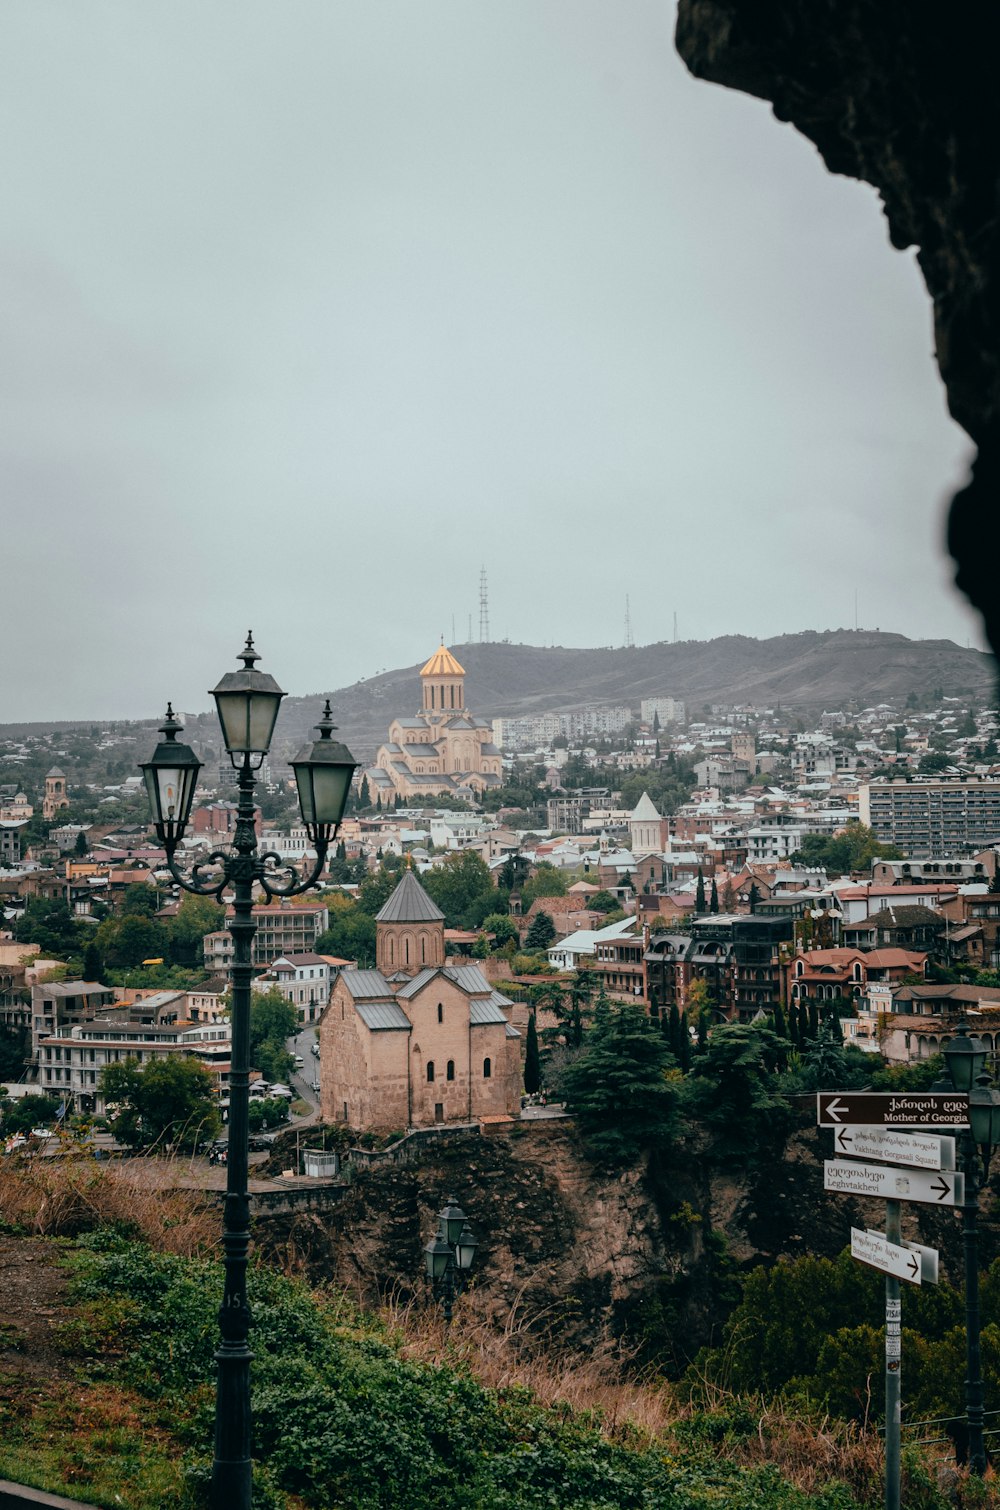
(892, 1366)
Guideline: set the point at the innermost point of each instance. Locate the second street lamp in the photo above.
(449, 1256)
(247, 701)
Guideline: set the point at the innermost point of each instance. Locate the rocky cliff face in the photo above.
(903, 97)
(581, 1255)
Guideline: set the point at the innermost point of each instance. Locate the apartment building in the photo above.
(930, 816)
(71, 1062)
(282, 929)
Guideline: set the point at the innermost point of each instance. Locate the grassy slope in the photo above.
(343, 1417)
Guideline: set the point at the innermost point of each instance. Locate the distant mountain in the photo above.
(808, 671)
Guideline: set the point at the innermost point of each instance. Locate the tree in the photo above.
(603, 901)
(196, 916)
(169, 1100)
(532, 1061)
(273, 1020)
(93, 967)
(699, 893)
(139, 900)
(503, 929)
(81, 847)
(546, 881)
(618, 1088)
(733, 1093)
(541, 933)
(27, 1112)
(753, 897)
(713, 900)
(364, 796)
(51, 926)
(852, 849)
(459, 886)
(127, 939)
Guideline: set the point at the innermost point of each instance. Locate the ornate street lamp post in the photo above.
(247, 701)
(965, 1058)
(449, 1256)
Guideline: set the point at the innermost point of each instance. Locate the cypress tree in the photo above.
(699, 895)
(532, 1063)
(753, 897)
(779, 1020)
(93, 968)
(813, 1018)
(364, 796)
(684, 1057)
(674, 1031)
(793, 1024)
(713, 900)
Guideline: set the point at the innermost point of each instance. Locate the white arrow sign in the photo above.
(921, 1150)
(874, 1249)
(928, 1258)
(946, 1189)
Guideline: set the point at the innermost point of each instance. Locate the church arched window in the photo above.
(406, 946)
(440, 1011)
(451, 1069)
(430, 1072)
(487, 1069)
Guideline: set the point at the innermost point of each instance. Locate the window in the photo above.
(430, 1072)
(487, 1069)
(451, 1069)
(440, 1012)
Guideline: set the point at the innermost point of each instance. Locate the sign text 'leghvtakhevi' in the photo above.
(846, 1178)
(892, 1109)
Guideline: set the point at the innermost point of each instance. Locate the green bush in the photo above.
(341, 1419)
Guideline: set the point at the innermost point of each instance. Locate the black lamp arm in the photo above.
(296, 884)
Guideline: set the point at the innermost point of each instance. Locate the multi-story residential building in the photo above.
(304, 980)
(669, 710)
(10, 841)
(526, 733)
(282, 929)
(70, 1062)
(59, 1005)
(618, 963)
(568, 813)
(930, 816)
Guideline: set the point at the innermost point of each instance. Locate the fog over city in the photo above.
(313, 309)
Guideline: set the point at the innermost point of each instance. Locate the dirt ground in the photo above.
(32, 1287)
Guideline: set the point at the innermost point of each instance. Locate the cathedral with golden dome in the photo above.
(443, 749)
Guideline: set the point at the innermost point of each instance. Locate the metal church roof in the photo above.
(409, 903)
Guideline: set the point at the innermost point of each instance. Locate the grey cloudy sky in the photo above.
(324, 305)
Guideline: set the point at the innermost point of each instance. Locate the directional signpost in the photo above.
(922, 1150)
(873, 1125)
(943, 1189)
(877, 1252)
(892, 1108)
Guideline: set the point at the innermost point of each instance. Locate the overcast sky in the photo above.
(311, 309)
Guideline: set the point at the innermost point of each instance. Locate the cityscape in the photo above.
(724, 905)
(500, 788)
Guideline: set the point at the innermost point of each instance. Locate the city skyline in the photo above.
(309, 322)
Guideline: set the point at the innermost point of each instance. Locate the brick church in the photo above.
(416, 1041)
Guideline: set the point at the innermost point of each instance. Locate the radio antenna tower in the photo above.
(484, 610)
(629, 642)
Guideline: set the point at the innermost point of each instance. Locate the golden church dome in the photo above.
(443, 663)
